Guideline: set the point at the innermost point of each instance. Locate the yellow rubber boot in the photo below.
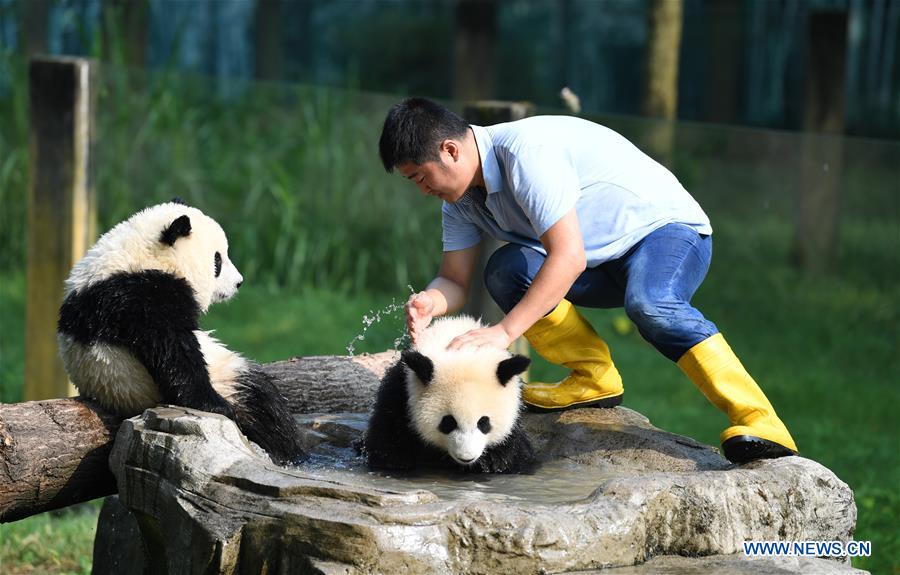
(565, 338)
(755, 432)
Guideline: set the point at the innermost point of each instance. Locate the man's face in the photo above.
(439, 179)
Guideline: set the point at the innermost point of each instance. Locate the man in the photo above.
(589, 220)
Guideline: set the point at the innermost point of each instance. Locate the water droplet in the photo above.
(375, 316)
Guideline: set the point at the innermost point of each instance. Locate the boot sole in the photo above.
(745, 448)
(599, 403)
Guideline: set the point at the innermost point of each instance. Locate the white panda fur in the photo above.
(131, 310)
(408, 427)
(133, 245)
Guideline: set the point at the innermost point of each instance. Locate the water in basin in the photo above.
(335, 458)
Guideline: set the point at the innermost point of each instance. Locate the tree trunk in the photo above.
(34, 16)
(722, 60)
(818, 197)
(125, 32)
(269, 44)
(476, 31)
(54, 453)
(661, 75)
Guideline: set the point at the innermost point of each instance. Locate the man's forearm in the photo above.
(448, 296)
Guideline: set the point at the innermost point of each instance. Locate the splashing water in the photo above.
(373, 317)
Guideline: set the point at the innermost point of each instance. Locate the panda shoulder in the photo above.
(148, 299)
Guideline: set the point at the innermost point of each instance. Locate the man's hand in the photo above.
(493, 336)
(419, 313)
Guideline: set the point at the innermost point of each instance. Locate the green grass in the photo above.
(58, 542)
(299, 162)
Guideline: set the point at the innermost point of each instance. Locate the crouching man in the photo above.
(590, 221)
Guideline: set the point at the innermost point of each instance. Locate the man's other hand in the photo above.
(493, 336)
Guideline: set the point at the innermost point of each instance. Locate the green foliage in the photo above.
(57, 542)
(13, 161)
(12, 337)
(300, 163)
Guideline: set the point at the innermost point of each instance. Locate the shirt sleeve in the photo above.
(544, 183)
(459, 232)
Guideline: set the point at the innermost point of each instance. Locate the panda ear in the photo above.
(421, 365)
(512, 367)
(177, 200)
(180, 228)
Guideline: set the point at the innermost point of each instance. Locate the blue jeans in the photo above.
(654, 281)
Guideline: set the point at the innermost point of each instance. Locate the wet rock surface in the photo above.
(730, 565)
(611, 491)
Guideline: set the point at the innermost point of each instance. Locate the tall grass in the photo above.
(13, 161)
(291, 172)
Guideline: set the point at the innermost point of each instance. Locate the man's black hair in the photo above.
(413, 131)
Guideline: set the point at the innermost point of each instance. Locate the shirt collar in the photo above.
(490, 169)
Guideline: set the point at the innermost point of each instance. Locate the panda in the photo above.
(129, 334)
(450, 409)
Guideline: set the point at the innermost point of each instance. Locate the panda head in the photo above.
(170, 237)
(463, 401)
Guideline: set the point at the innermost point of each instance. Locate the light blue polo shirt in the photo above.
(537, 169)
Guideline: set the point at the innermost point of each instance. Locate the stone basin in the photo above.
(611, 491)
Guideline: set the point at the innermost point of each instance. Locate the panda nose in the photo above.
(239, 284)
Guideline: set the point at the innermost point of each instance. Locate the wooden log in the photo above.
(308, 383)
(54, 453)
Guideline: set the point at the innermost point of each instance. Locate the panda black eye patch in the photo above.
(484, 425)
(447, 425)
(218, 260)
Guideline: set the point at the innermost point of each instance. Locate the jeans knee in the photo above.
(508, 275)
(651, 317)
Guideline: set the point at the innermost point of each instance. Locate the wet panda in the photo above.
(452, 409)
(129, 332)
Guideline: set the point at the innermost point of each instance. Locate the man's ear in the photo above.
(451, 147)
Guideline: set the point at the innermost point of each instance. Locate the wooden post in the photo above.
(61, 207)
(479, 303)
(818, 196)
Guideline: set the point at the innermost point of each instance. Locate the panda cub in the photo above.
(452, 409)
(129, 332)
